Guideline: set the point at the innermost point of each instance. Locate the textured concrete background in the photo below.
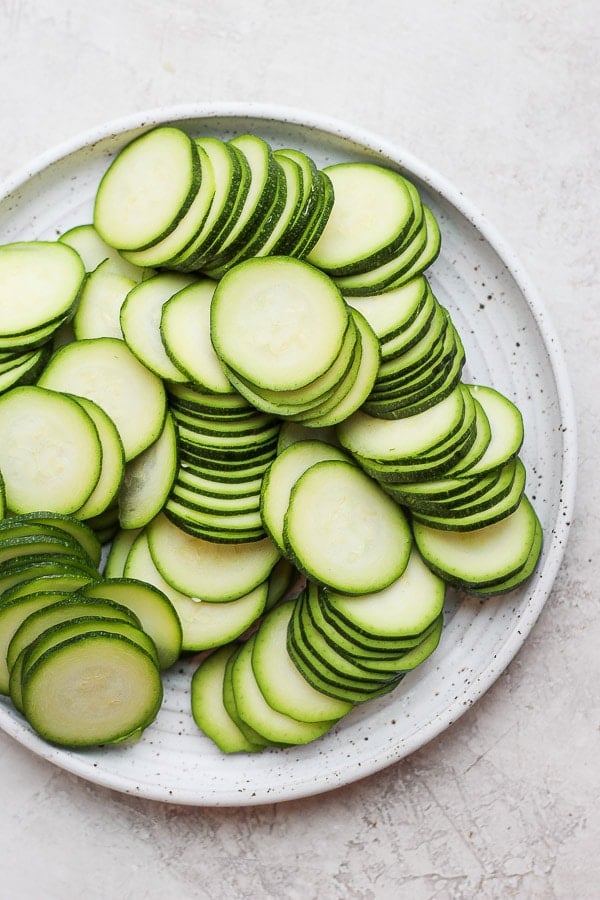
(502, 98)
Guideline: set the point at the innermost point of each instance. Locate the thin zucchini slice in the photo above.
(147, 189)
(27, 370)
(16, 606)
(262, 189)
(412, 259)
(281, 476)
(94, 252)
(502, 500)
(388, 439)
(482, 557)
(106, 371)
(342, 530)
(390, 313)
(209, 571)
(277, 322)
(506, 424)
(140, 322)
(208, 709)
(118, 552)
(187, 228)
(99, 307)
(347, 399)
(185, 332)
(50, 453)
(252, 736)
(39, 285)
(92, 689)
(209, 625)
(371, 214)
(64, 609)
(112, 466)
(281, 683)
(232, 183)
(156, 614)
(504, 586)
(408, 606)
(203, 625)
(254, 709)
(148, 479)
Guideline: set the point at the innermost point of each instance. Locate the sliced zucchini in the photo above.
(281, 476)
(390, 313)
(232, 184)
(349, 397)
(262, 190)
(64, 609)
(94, 252)
(188, 226)
(185, 332)
(386, 439)
(148, 479)
(112, 466)
(277, 322)
(208, 709)
(40, 282)
(155, 611)
(408, 606)
(50, 452)
(419, 252)
(485, 556)
(278, 678)
(371, 214)
(106, 371)
(99, 308)
(91, 689)
(254, 709)
(147, 189)
(207, 570)
(343, 531)
(118, 551)
(140, 322)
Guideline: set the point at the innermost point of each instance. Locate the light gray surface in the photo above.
(502, 98)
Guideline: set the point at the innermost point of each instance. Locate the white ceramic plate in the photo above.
(509, 344)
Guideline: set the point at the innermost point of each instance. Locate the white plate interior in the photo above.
(509, 344)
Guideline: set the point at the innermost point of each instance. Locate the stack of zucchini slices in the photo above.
(261, 402)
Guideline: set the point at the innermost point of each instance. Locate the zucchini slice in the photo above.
(281, 476)
(483, 557)
(371, 214)
(147, 189)
(148, 479)
(140, 322)
(39, 286)
(343, 531)
(277, 322)
(156, 613)
(106, 371)
(281, 683)
(185, 332)
(254, 709)
(208, 709)
(210, 571)
(94, 688)
(50, 452)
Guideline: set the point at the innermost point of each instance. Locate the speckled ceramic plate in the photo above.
(509, 344)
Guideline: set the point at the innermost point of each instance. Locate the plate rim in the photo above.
(557, 540)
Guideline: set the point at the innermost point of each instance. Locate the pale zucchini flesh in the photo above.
(106, 371)
(50, 453)
(343, 531)
(61, 706)
(277, 322)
